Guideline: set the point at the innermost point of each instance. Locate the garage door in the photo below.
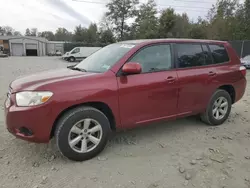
(17, 49)
(31, 46)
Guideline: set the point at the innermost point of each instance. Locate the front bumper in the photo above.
(36, 119)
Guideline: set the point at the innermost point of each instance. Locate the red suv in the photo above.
(125, 85)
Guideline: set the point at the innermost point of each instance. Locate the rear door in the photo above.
(196, 75)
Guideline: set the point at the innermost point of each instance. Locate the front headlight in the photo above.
(32, 98)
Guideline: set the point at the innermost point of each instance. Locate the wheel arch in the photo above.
(103, 107)
(230, 89)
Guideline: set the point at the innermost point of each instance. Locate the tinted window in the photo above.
(207, 55)
(154, 58)
(190, 55)
(219, 53)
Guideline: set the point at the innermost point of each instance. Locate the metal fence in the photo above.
(242, 47)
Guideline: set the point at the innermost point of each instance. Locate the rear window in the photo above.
(219, 53)
(190, 55)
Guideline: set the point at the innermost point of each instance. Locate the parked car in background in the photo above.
(125, 85)
(245, 61)
(2, 54)
(56, 53)
(79, 53)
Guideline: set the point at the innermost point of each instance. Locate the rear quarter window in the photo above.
(219, 53)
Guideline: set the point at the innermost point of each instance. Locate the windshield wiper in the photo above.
(78, 69)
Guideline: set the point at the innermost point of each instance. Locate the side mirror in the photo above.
(132, 68)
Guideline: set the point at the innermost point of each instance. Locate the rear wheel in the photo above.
(218, 108)
(82, 133)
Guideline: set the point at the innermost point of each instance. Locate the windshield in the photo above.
(105, 58)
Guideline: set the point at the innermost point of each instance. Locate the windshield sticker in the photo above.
(106, 67)
(127, 46)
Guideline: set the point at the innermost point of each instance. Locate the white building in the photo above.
(53, 46)
(30, 46)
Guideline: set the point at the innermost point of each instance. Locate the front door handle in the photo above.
(211, 73)
(170, 79)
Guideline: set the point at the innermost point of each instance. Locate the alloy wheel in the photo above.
(85, 135)
(220, 108)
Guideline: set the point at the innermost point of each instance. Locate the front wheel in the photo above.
(218, 108)
(82, 133)
(71, 59)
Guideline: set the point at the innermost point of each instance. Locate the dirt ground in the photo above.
(182, 153)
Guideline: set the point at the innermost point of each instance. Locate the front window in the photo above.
(154, 58)
(76, 50)
(105, 58)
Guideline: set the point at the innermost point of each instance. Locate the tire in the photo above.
(64, 135)
(208, 117)
(71, 59)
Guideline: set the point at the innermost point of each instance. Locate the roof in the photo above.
(56, 42)
(168, 40)
(26, 37)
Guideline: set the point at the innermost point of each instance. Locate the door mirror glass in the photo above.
(132, 68)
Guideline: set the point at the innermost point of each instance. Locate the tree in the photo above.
(63, 34)
(80, 34)
(17, 33)
(92, 34)
(167, 22)
(27, 32)
(223, 23)
(33, 32)
(107, 37)
(49, 35)
(146, 22)
(119, 11)
(105, 24)
(244, 16)
(181, 26)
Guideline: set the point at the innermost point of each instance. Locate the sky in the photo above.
(50, 14)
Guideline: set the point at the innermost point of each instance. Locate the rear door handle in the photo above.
(211, 73)
(170, 79)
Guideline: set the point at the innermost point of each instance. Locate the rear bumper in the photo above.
(37, 120)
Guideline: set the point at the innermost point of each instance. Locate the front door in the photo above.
(151, 95)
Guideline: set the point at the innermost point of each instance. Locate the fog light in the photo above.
(25, 131)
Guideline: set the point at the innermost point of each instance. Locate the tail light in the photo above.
(243, 70)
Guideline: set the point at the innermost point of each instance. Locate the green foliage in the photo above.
(48, 35)
(119, 12)
(146, 22)
(167, 22)
(63, 34)
(27, 32)
(107, 37)
(129, 19)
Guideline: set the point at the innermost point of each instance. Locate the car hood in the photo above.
(33, 81)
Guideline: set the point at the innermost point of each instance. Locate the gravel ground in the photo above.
(182, 153)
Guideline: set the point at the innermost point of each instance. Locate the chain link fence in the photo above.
(242, 47)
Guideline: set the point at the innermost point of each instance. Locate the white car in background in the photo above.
(245, 61)
(79, 53)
